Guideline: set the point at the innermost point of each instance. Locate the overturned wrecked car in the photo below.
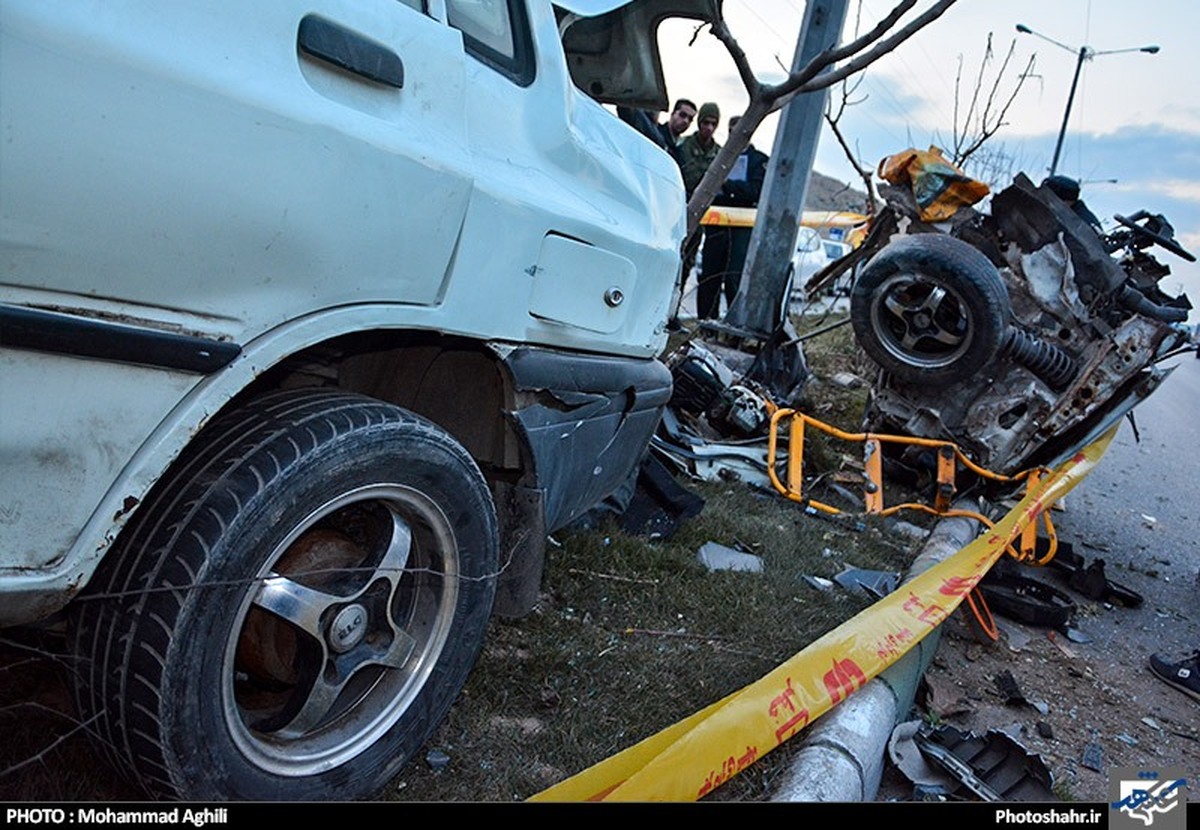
(1020, 334)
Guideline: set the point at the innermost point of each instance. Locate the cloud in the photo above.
(1184, 190)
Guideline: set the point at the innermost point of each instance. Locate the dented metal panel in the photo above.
(587, 420)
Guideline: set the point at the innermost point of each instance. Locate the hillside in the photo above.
(827, 193)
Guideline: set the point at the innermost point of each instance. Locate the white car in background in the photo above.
(814, 253)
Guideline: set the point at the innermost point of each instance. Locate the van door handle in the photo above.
(342, 47)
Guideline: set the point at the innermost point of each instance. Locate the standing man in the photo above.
(725, 248)
(696, 153)
(700, 148)
(672, 130)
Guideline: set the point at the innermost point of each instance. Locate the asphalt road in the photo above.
(1139, 511)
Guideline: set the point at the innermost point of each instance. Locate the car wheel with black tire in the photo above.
(295, 607)
(930, 308)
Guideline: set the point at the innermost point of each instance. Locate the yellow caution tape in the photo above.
(691, 758)
(729, 217)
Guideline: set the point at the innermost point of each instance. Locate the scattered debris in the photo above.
(614, 577)
(1045, 730)
(524, 726)
(846, 521)
(718, 557)
(1152, 723)
(943, 700)
(876, 583)
(1126, 739)
(995, 767)
(1016, 636)
(1013, 696)
(659, 503)
(1077, 636)
(1089, 579)
(1009, 690)
(437, 759)
(1026, 599)
(846, 380)
(908, 758)
(910, 531)
(1060, 645)
(818, 582)
(1093, 757)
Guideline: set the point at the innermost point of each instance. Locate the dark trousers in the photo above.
(724, 254)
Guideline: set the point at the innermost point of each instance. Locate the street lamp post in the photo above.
(1085, 53)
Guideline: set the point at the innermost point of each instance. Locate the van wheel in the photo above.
(930, 308)
(295, 607)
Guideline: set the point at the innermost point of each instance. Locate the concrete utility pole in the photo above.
(761, 299)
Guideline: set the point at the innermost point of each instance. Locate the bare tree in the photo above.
(833, 118)
(832, 65)
(984, 114)
(975, 124)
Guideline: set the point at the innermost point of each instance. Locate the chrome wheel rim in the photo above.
(921, 322)
(341, 630)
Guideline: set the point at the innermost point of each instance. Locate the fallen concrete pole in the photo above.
(841, 757)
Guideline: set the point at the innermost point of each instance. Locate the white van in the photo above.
(315, 319)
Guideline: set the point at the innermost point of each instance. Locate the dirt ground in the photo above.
(1092, 706)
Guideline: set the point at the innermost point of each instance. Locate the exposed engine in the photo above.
(1022, 334)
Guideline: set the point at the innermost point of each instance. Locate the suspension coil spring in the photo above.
(1047, 361)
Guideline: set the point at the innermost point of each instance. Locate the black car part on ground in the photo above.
(1088, 578)
(1024, 599)
(994, 767)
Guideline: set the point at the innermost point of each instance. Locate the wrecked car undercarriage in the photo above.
(1019, 335)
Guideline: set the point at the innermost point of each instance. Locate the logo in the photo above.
(1147, 798)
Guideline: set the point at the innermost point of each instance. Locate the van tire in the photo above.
(292, 612)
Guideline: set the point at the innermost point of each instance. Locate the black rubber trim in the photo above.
(345, 48)
(49, 331)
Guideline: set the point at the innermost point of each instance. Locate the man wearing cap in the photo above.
(700, 148)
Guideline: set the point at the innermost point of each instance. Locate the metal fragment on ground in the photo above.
(876, 583)
(995, 766)
(908, 758)
(718, 557)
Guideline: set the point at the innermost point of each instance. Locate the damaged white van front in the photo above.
(314, 321)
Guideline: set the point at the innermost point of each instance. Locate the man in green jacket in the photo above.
(700, 148)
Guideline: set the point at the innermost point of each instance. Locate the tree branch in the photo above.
(813, 77)
(819, 73)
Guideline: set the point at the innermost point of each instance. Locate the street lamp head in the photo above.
(1084, 53)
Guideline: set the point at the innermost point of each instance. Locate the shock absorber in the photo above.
(1047, 361)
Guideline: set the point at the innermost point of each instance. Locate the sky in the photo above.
(1135, 117)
